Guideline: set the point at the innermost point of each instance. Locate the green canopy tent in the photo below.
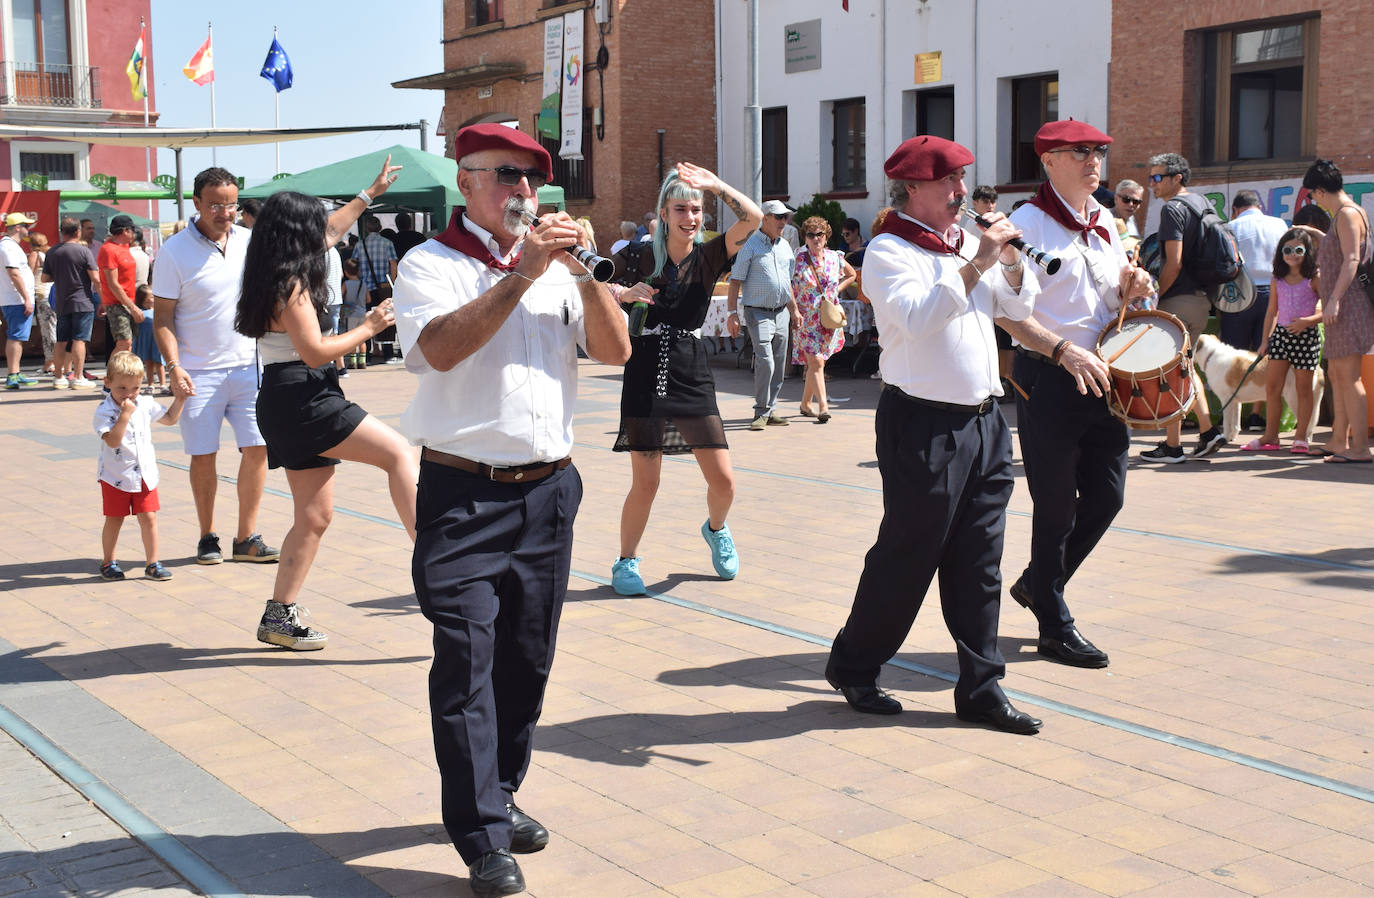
(427, 183)
(100, 213)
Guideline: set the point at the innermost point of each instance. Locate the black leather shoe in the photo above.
(870, 700)
(495, 873)
(529, 835)
(1006, 718)
(1072, 650)
(1021, 593)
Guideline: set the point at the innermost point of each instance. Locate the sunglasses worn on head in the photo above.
(1082, 152)
(1295, 250)
(509, 175)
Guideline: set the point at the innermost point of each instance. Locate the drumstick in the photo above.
(1129, 344)
(1122, 320)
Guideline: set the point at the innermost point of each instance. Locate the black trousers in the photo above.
(1075, 453)
(491, 569)
(947, 477)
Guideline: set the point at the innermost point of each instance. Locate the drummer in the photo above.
(1074, 450)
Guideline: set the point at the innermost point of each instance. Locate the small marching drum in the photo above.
(1151, 368)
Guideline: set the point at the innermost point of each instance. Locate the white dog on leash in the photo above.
(1224, 366)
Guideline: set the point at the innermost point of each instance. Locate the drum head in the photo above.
(1146, 342)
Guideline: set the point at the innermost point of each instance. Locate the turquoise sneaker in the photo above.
(723, 554)
(625, 579)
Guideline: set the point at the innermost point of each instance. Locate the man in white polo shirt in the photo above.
(195, 294)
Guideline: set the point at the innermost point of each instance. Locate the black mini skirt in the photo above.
(302, 413)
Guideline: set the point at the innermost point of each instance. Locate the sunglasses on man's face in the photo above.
(1133, 200)
(1155, 179)
(509, 175)
(1081, 152)
(1298, 251)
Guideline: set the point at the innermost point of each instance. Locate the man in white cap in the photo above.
(16, 295)
(762, 279)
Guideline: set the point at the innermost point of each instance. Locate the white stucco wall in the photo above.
(870, 52)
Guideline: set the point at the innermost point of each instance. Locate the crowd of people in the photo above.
(256, 311)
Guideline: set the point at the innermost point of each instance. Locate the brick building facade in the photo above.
(1250, 93)
(651, 105)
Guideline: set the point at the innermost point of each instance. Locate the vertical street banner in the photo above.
(572, 86)
(549, 113)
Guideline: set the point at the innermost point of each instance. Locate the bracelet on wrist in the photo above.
(974, 266)
(519, 275)
(1058, 351)
(362, 195)
(581, 278)
(1015, 266)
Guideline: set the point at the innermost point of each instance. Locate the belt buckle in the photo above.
(491, 473)
(985, 406)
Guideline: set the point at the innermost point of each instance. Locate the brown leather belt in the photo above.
(517, 474)
(1037, 356)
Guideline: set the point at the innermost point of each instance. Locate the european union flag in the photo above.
(277, 68)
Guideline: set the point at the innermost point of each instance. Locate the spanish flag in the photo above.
(201, 68)
(138, 83)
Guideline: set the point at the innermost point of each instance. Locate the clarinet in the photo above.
(1038, 256)
(602, 268)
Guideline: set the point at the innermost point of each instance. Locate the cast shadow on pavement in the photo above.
(1335, 568)
(274, 863)
(636, 739)
(60, 572)
(158, 657)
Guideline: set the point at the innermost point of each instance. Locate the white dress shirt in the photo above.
(133, 463)
(1257, 237)
(1078, 301)
(511, 401)
(938, 343)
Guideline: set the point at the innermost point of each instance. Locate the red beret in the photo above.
(492, 136)
(925, 158)
(1068, 133)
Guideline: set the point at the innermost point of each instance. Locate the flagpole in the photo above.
(214, 154)
(276, 99)
(147, 151)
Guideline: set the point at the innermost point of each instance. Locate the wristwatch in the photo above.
(172, 366)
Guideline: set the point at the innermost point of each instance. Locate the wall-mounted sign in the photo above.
(929, 68)
(484, 93)
(802, 46)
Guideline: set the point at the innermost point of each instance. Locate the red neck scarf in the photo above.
(921, 235)
(1049, 202)
(458, 237)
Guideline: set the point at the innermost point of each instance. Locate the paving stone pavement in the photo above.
(689, 745)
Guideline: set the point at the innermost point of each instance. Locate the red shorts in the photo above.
(119, 504)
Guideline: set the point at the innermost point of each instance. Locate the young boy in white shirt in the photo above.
(128, 466)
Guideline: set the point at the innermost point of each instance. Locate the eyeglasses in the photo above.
(1081, 152)
(221, 208)
(1133, 200)
(812, 234)
(509, 175)
(1155, 179)
(1295, 251)
(782, 217)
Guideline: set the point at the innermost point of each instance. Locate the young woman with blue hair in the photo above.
(668, 398)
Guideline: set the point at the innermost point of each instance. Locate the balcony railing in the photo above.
(40, 84)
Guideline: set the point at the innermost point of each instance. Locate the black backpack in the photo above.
(1216, 257)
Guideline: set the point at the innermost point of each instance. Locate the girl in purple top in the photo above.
(1292, 337)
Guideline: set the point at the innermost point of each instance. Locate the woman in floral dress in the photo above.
(818, 273)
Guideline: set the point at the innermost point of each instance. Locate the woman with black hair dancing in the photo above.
(303, 415)
(668, 399)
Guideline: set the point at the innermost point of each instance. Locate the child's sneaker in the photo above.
(111, 571)
(156, 571)
(723, 554)
(281, 625)
(625, 579)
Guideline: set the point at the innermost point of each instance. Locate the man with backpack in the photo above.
(1196, 261)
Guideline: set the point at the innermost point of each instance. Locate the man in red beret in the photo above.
(944, 449)
(490, 314)
(1073, 448)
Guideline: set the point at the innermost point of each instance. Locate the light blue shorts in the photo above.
(222, 394)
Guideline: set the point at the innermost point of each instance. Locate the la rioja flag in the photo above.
(201, 68)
